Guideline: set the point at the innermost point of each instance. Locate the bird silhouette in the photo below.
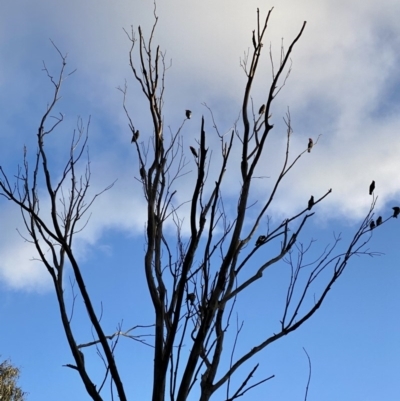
(254, 41)
(372, 187)
(261, 239)
(135, 136)
(142, 173)
(262, 109)
(311, 202)
(396, 211)
(193, 150)
(372, 225)
(188, 114)
(310, 144)
(82, 357)
(191, 298)
(379, 221)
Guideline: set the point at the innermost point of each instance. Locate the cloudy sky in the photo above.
(344, 89)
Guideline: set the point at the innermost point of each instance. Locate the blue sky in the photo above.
(344, 86)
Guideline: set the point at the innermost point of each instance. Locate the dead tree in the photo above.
(194, 280)
(223, 246)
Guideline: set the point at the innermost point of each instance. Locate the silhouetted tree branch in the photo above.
(195, 276)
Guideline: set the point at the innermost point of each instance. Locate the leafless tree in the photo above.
(194, 280)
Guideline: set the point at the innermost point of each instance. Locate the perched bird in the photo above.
(310, 144)
(82, 357)
(379, 221)
(254, 40)
(262, 109)
(191, 298)
(261, 239)
(396, 211)
(188, 114)
(372, 225)
(193, 150)
(142, 173)
(311, 202)
(135, 136)
(372, 187)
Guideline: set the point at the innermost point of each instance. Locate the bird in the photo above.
(191, 298)
(372, 225)
(193, 150)
(379, 221)
(254, 40)
(188, 114)
(142, 173)
(372, 187)
(310, 144)
(135, 136)
(311, 202)
(396, 211)
(261, 239)
(262, 109)
(82, 357)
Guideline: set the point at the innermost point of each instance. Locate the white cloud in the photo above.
(344, 71)
(18, 265)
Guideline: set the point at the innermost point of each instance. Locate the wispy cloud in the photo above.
(344, 87)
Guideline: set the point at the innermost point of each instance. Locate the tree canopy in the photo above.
(9, 389)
